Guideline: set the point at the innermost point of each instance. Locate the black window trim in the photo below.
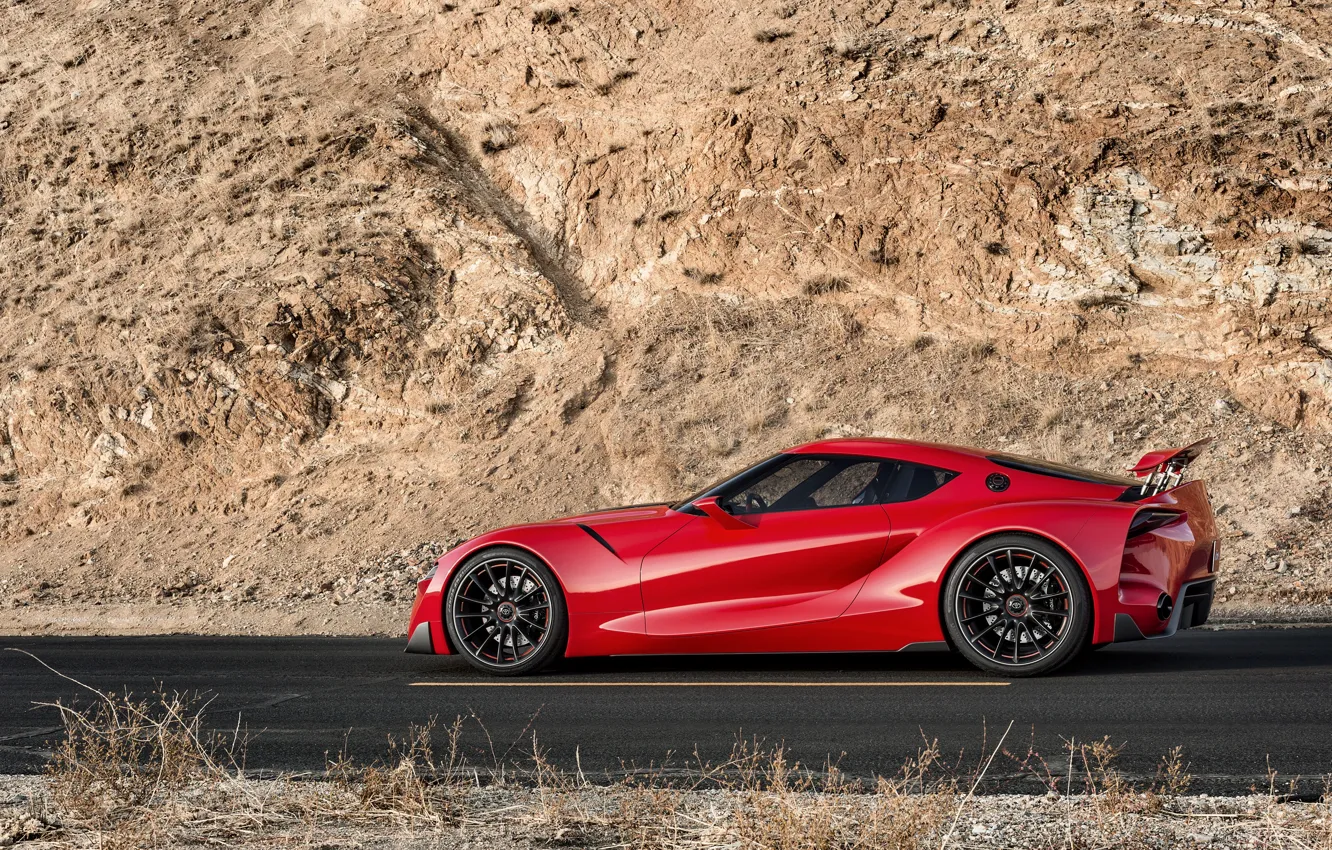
(1050, 469)
(745, 477)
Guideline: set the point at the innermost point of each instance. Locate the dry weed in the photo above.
(825, 284)
(146, 773)
(410, 784)
(1173, 777)
(768, 35)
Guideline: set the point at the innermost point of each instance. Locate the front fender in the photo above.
(592, 579)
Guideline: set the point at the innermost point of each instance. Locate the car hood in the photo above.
(620, 514)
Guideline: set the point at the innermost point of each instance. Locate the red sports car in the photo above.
(844, 546)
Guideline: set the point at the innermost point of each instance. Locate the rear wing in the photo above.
(1164, 468)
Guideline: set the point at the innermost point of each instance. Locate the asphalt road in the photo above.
(1236, 701)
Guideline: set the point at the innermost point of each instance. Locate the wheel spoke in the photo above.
(519, 629)
(1031, 568)
(499, 642)
(494, 585)
(536, 586)
(974, 639)
(524, 618)
(983, 593)
(1042, 611)
(479, 628)
(474, 614)
(532, 639)
(1045, 596)
(1044, 625)
(1040, 652)
(989, 600)
(522, 577)
(1036, 585)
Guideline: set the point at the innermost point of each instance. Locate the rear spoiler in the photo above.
(1164, 468)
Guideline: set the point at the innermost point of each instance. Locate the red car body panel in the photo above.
(654, 580)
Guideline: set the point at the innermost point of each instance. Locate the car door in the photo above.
(795, 548)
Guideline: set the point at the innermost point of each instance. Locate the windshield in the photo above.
(725, 484)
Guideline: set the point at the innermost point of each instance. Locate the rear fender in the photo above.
(1091, 533)
(1168, 557)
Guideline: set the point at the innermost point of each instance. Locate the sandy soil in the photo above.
(298, 292)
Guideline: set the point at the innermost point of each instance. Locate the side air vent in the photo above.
(597, 537)
(1146, 521)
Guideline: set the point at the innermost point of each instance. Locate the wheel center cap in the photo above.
(1017, 606)
(506, 612)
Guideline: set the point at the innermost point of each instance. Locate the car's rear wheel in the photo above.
(1016, 605)
(505, 613)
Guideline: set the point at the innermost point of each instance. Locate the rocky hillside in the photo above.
(295, 292)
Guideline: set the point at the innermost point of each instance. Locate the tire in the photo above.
(505, 613)
(1015, 605)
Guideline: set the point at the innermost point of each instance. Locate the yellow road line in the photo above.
(710, 684)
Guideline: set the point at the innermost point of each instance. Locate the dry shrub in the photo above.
(29, 824)
(142, 773)
(825, 284)
(1051, 416)
(1100, 774)
(138, 772)
(850, 45)
(123, 755)
(1172, 776)
(145, 772)
(780, 804)
(500, 136)
(547, 15)
(410, 783)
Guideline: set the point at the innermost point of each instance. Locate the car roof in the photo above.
(915, 450)
(956, 458)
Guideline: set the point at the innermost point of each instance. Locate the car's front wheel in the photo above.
(505, 613)
(1016, 605)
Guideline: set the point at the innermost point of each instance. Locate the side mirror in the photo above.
(715, 512)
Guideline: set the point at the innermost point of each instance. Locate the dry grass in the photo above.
(145, 773)
(825, 284)
(499, 136)
(768, 35)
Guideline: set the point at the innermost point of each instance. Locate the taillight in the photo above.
(1146, 521)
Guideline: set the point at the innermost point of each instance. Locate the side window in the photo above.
(770, 491)
(809, 483)
(913, 481)
(852, 485)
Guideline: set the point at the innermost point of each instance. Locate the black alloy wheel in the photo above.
(505, 613)
(1017, 605)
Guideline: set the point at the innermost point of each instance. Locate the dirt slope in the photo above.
(295, 293)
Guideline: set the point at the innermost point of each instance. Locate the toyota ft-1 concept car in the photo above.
(851, 545)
